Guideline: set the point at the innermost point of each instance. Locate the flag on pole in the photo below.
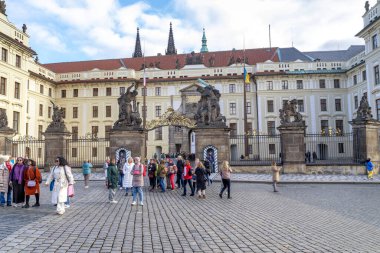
(246, 76)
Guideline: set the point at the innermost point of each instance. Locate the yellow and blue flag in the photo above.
(246, 76)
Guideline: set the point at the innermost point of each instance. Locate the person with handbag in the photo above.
(32, 178)
(127, 180)
(188, 178)
(112, 180)
(138, 181)
(16, 181)
(63, 180)
(276, 175)
(4, 180)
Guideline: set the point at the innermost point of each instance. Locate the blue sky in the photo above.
(74, 30)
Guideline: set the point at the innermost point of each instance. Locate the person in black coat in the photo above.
(180, 166)
(200, 172)
(152, 174)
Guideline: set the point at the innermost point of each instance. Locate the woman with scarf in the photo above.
(32, 178)
(16, 181)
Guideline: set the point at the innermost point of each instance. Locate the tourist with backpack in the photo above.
(138, 181)
(188, 178)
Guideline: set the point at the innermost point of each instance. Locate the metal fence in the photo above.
(27, 147)
(262, 149)
(330, 148)
(94, 150)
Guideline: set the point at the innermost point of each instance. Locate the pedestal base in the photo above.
(55, 145)
(131, 140)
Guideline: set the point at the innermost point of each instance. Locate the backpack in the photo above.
(190, 172)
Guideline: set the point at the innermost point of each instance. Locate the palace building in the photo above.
(328, 86)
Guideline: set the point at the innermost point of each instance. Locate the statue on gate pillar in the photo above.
(57, 125)
(364, 110)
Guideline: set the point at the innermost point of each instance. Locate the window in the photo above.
(374, 42)
(338, 105)
(143, 91)
(356, 102)
(41, 110)
(324, 126)
(108, 91)
(94, 111)
(49, 92)
(74, 132)
(336, 83)
(17, 90)
(300, 106)
(74, 152)
(364, 75)
(18, 61)
(3, 86)
(75, 112)
(158, 111)
(232, 88)
(49, 112)
(299, 84)
(4, 54)
(272, 149)
(355, 79)
(339, 125)
(158, 133)
(63, 112)
(340, 148)
(108, 111)
(41, 89)
(94, 152)
(284, 84)
(63, 93)
(247, 87)
(94, 131)
(249, 127)
(75, 93)
(122, 90)
(378, 108)
(323, 105)
(232, 108)
(270, 106)
(107, 130)
(269, 85)
(233, 127)
(158, 91)
(95, 92)
(377, 75)
(271, 127)
(16, 120)
(322, 83)
(39, 132)
(249, 111)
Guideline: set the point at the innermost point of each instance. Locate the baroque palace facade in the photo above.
(327, 84)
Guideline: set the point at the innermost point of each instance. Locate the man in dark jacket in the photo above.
(112, 180)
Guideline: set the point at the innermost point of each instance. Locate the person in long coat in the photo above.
(112, 180)
(200, 172)
(16, 179)
(4, 180)
(127, 180)
(61, 174)
(32, 173)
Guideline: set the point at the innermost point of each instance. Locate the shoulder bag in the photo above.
(31, 183)
(70, 188)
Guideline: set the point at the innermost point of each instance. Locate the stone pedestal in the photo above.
(55, 145)
(132, 140)
(6, 133)
(366, 140)
(216, 137)
(293, 148)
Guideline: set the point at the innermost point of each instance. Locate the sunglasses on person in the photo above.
(19, 160)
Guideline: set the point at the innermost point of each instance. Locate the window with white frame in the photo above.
(232, 108)
(157, 91)
(232, 88)
(377, 75)
(299, 84)
(284, 84)
(269, 85)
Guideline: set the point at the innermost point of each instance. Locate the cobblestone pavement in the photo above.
(300, 218)
(262, 178)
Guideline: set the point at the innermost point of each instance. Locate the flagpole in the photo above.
(246, 151)
(144, 110)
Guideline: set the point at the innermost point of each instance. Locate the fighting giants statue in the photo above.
(129, 116)
(289, 114)
(57, 125)
(208, 111)
(364, 110)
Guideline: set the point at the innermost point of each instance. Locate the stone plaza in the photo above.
(301, 218)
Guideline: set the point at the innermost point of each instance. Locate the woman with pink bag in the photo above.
(137, 181)
(63, 183)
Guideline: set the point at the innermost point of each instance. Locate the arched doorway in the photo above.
(211, 154)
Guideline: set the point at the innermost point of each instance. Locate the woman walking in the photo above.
(138, 181)
(226, 179)
(86, 169)
(152, 174)
(127, 180)
(112, 180)
(276, 175)
(63, 178)
(188, 176)
(32, 178)
(369, 167)
(200, 172)
(16, 179)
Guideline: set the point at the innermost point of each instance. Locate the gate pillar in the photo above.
(133, 140)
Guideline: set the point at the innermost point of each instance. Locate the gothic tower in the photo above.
(138, 52)
(204, 48)
(171, 47)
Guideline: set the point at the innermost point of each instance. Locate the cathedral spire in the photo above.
(204, 48)
(171, 47)
(138, 52)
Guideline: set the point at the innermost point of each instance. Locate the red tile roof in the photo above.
(167, 62)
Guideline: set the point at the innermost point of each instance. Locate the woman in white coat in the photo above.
(62, 176)
(127, 180)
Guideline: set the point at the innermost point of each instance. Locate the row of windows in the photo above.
(3, 88)
(355, 77)
(285, 84)
(301, 107)
(4, 57)
(42, 90)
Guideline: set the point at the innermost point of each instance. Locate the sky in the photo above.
(78, 30)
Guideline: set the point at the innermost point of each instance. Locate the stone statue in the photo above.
(364, 110)
(3, 7)
(366, 6)
(24, 28)
(57, 125)
(129, 116)
(3, 119)
(208, 109)
(289, 114)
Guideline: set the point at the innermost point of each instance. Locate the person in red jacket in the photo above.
(188, 178)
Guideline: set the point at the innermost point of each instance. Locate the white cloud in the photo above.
(47, 38)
